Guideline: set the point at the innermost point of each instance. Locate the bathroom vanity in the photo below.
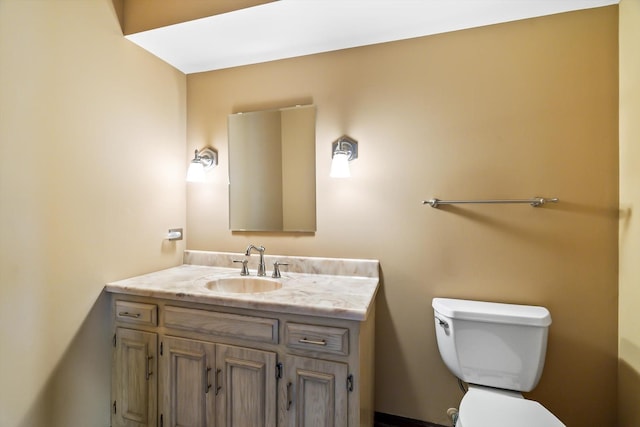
(201, 345)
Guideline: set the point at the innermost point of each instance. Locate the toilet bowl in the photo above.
(488, 407)
(499, 351)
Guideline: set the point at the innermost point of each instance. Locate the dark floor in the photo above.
(386, 420)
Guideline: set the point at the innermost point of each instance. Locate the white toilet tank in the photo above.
(492, 344)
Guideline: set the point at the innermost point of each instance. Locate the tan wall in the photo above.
(142, 15)
(629, 349)
(507, 111)
(92, 164)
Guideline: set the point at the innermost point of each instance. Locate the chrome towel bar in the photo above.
(535, 201)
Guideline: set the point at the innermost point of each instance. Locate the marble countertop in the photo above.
(325, 287)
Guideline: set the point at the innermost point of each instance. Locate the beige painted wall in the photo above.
(142, 15)
(92, 164)
(507, 111)
(629, 329)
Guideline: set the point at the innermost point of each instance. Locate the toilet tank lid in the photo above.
(493, 312)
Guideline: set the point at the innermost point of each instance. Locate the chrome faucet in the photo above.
(262, 271)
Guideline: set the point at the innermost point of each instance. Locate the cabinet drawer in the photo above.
(324, 339)
(252, 328)
(138, 313)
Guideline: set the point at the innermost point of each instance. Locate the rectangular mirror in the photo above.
(272, 170)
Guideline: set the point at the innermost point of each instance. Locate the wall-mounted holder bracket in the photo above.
(174, 234)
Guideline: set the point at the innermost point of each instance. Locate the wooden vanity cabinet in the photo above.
(193, 365)
(247, 384)
(134, 378)
(186, 393)
(315, 393)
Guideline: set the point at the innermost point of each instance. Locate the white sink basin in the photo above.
(243, 285)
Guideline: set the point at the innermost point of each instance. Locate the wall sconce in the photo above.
(343, 150)
(203, 160)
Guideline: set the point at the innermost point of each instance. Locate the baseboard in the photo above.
(388, 420)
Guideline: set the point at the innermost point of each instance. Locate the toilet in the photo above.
(499, 351)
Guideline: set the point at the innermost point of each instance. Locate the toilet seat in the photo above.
(484, 406)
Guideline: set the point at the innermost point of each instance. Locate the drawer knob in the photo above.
(127, 314)
(314, 342)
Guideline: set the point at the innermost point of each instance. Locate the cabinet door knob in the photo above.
(148, 373)
(207, 383)
(218, 382)
(289, 398)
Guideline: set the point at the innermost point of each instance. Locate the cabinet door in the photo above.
(247, 387)
(186, 383)
(313, 393)
(134, 380)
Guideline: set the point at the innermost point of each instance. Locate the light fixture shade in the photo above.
(340, 165)
(195, 173)
(343, 150)
(203, 160)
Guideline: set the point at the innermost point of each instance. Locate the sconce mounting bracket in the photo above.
(208, 157)
(346, 143)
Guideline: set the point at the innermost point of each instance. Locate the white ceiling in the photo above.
(289, 28)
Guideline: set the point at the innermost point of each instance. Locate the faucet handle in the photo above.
(245, 270)
(276, 269)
